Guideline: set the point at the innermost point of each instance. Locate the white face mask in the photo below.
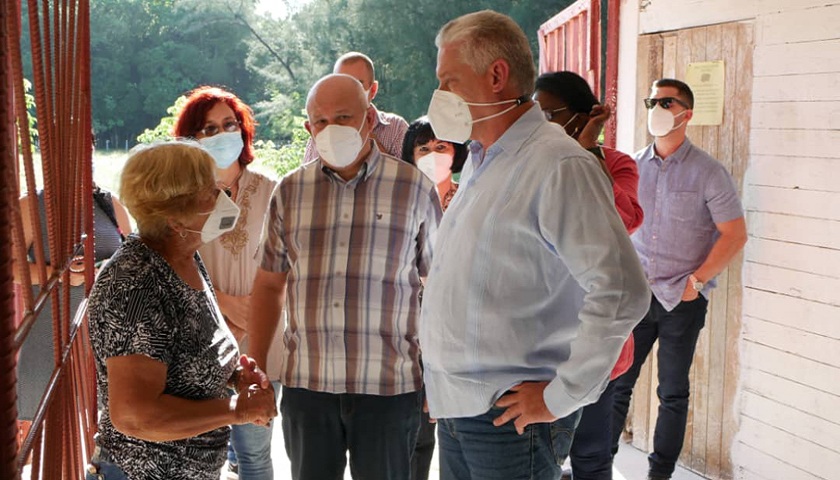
(224, 147)
(221, 220)
(339, 145)
(661, 122)
(436, 165)
(451, 119)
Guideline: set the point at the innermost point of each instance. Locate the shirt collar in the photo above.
(381, 117)
(513, 138)
(676, 157)
(368, 166)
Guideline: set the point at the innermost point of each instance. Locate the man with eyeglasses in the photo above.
(388, 128)
(693, 227)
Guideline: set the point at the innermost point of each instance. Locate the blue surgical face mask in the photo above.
(224, 147)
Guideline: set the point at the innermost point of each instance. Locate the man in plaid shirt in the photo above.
(350, 237)
(388, 128)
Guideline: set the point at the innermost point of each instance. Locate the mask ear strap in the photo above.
(522, 99)
(519, 101)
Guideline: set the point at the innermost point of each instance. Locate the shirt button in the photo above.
(346, 215)
(338, 274)
(342, 244)
(336, 304)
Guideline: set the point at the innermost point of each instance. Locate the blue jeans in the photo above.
(101, 468)
(473, 449)
(591, 452)
(251, 445)
(677, 332)
(379, 431)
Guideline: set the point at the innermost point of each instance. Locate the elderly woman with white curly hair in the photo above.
(165, 360)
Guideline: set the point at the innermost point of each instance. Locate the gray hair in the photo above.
(487, 36)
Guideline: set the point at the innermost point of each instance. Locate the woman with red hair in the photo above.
(224, 125)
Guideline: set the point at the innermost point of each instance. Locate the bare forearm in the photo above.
(724, 249)
(173, 418)
(267, 304)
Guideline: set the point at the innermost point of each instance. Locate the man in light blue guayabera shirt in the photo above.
(535, 285)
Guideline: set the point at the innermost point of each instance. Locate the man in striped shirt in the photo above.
(388, 128)
(349, 239)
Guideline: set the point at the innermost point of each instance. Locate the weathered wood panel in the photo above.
(811, 57)
(787, 26)
(804, 173)
(712, 421)
(779, 411)
(797, 452)
(793, 367)
(794, 88)
(767, 468)
(815, 317)
(819, 115)
(807, 231)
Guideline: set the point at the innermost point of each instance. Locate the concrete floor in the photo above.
(630, 463)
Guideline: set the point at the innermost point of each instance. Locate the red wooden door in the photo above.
(572, 40)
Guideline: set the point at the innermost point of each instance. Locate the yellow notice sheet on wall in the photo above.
(706, 81)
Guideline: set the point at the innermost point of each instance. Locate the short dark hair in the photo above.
(420, 132)
(569, 87)
(682, 88)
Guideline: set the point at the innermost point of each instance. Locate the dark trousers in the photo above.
(591, 452)
(379, 431)
(421, 459)
(473, 448)
(677, 332)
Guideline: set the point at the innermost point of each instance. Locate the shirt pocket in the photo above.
(390, 234)
(684, 207)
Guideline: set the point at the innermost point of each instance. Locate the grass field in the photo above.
(107, 166)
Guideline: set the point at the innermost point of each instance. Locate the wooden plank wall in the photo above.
(790, 393)
(712, 421)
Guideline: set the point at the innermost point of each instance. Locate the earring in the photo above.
(182, 234)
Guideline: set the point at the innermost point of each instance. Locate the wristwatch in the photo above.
(697, 285)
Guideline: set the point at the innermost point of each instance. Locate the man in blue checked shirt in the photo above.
(694, 226)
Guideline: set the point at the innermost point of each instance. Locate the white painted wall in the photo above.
(789, 401)
(626, 101)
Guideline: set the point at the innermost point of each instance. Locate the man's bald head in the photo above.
(336, 90)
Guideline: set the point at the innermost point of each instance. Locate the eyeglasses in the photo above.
(664, 102)
(228, 126)
(549, 114)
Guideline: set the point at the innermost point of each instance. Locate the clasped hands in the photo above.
(254, 402)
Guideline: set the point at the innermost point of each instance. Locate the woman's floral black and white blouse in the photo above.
(139, 306)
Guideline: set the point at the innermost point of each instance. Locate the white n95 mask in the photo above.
(435, 165)
(451, 119)
(339, 145)
(661, 122)
(224, 147)
(221, 220)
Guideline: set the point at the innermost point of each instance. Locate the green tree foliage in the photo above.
(144, 53)
(397, 35)
(287, 157)
(163, 130)
(30, 113)
(278, 160)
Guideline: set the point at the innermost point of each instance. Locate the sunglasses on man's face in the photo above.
(664, 102)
